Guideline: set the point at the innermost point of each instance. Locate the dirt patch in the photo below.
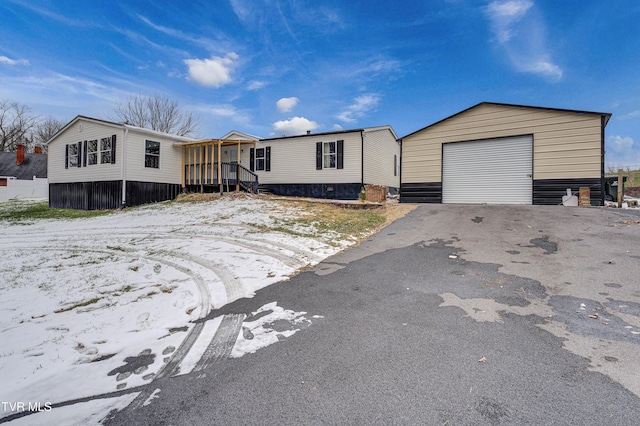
(393, 212)
(632, 192)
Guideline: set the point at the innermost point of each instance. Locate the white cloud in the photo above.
(519, 32)
(294, 126)
(337, 127)
(360, 107)
(213, 72)
(621, 151)
(9, 61)
(286, 104)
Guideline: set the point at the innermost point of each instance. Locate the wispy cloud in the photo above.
(9, 61)
(58, 17)
(243, 11)
(208, 44)
(286, 104)
(256, 85)
(359, 108)
(519, 31)
(633, 115)
(213, 72)
(294, 126)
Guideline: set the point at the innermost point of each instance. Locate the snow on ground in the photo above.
(93, 306)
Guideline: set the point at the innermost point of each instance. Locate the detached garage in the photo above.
(496, 153)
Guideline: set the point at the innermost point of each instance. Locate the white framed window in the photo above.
(260, 158)
(105, 151)
(152, 154)
(92, 152)
(73, 155)
(329, 155)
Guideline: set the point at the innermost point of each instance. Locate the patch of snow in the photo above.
(153, 396)
(95, 305)
(263, 331)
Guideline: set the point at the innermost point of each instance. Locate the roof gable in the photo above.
(234, 134)
(120, 126)
(605, 115)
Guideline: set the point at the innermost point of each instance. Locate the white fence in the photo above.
(20, 189)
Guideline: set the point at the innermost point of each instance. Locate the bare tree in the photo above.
(45, 129)
(16, 123)
(156, 113)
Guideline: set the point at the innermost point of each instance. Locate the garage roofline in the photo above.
(605, 115)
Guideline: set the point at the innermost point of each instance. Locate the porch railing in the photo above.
(231, 174)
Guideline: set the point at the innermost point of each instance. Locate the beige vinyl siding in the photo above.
(170, 159)
(379, 148)
(83, 130)
(293, 160)
(566, 144)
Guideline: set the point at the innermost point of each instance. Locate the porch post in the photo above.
(238, 170)
(220, 166)
(183, 166)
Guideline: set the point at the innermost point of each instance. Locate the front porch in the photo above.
(215, 165)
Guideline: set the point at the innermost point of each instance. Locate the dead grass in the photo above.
(196, 197)
(327, 217)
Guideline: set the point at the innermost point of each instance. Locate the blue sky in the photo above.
(276, 67)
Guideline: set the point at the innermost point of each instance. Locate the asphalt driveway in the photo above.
(451, 315)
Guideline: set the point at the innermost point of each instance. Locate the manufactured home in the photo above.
(498, 153)
(332, 165)
(97, 164)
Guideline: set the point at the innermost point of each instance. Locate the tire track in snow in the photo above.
(223, 341)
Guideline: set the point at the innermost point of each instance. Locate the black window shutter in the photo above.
(395, 165)
(318, 155)
(84, 154)
(340, 155)
(252, 159)
(66, 156)
(79, 154)
(267, 159)
(113, 149)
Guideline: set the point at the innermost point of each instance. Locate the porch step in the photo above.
(263, 190)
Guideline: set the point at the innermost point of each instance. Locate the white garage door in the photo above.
(492, 171)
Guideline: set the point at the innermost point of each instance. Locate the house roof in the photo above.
(121, 126)
(337, 132)
(33, 165)
(606, 115)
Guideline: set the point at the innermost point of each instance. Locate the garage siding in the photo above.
(572, 137)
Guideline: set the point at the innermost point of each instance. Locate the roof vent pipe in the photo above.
(308, 132)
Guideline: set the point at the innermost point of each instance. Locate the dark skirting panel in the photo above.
(422, 192)
(86, 195)
(107, 195)
(335, 191)
(139, 193)
(550, 191)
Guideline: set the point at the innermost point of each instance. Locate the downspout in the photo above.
(400, 171)
(602, 154)
(361, 159)
(124, 168)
